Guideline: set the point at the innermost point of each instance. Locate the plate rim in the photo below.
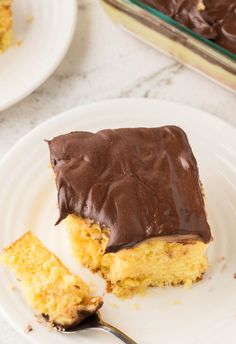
(79, 108)
(114, 101)
(52, 67)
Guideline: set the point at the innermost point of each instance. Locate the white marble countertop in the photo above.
(104, 62)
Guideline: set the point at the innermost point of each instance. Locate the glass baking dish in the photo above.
(174, 39)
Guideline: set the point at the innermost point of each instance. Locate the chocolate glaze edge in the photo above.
(141, 183)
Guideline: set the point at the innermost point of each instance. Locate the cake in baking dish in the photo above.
(6, 32)
(133, 205)
(212, 19)
(48, 286)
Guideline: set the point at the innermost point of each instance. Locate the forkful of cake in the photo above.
(61, 297)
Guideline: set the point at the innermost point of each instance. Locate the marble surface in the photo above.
(104, 62)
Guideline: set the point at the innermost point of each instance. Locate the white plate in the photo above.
(45, 41)
(206, 313)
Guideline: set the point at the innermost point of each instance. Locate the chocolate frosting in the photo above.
(140, 183)
(212, 19)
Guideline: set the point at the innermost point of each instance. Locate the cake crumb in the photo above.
(19, 42)
(114, 305)
(235, 275)
(29, 19)
(136, 306)
(176, 302)
(201, 6)
(12, 287)
(220, 259)
(28, 329)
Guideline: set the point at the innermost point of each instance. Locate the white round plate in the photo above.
(45, 40)
(205, 313)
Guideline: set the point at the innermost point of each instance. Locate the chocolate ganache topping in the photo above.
(140, 183)
(212, 19)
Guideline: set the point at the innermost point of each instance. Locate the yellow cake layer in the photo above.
(6, 33)
(48, 286)
(129, 271)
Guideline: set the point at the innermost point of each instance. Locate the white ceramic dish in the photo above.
(206, 313)
(45, 40)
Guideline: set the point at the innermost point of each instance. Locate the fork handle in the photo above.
(113, 330)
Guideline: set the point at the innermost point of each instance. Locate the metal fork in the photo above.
(96, 322)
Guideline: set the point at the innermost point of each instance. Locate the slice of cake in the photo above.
(6, 33)
(133, 205)
(48, 286)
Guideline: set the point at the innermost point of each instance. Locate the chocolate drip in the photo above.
(140, 183)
